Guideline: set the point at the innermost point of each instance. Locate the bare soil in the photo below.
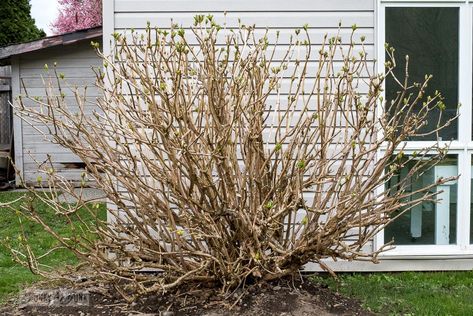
(288, 297)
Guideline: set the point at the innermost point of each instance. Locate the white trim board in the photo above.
(405, 264)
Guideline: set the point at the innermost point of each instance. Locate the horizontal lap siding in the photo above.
(75, 61)
(271, 20)
(317, 34)
(262, 6)
(321, 16)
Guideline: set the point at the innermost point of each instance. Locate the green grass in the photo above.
(408, 293)
(14, 277)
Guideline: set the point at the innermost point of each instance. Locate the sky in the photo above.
(44, 12)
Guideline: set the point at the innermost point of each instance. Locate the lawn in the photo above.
(408, 293)
(14, 277)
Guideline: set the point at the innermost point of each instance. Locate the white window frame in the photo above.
(463, 147)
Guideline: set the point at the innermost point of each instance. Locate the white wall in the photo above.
(322, 16)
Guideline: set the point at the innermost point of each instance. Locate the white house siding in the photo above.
(323, 17)
(75, 61)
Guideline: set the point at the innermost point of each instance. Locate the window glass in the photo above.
(430, 37)
(428, 223)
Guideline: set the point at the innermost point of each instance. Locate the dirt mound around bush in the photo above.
(293, 297)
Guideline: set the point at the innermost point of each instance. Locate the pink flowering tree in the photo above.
(77, 14)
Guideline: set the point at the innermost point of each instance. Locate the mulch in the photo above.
(290, 296)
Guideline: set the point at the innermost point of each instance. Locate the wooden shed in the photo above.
(72, 55)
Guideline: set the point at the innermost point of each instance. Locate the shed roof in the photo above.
(57, 40)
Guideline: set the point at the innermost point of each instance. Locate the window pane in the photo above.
(429, 223)
(430, 37)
